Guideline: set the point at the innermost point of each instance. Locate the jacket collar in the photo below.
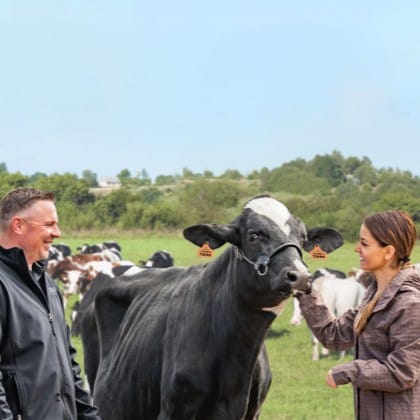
(408, 277)
(16, 258)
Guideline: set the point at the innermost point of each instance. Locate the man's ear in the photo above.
(17, 224)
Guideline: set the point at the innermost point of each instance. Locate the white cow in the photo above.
(339, 295)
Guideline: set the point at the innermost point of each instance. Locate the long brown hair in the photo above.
(390, 227)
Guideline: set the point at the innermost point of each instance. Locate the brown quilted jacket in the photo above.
(386, 370)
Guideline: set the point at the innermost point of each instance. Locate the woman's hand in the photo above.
(329, 380)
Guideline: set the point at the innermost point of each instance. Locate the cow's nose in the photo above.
(299, 280)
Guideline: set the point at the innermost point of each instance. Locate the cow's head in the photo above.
(268, 240)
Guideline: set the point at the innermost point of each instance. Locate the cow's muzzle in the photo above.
(300, 282)
(262, 262)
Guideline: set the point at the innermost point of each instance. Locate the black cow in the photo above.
(188, 342)
(159, 259)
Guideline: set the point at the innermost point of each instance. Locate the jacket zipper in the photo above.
(50, 318)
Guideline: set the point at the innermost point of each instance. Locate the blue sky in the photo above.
(206, 85)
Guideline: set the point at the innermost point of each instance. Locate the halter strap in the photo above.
(261, 264)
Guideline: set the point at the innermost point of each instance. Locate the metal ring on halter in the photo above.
(261, 265)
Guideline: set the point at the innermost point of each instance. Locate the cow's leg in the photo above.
(297, 314)
(315, 349)
(261, 381)
(324, 351)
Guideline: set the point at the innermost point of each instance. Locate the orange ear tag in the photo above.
(205, 251)
(318, 253)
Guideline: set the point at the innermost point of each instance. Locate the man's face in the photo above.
(39, 228)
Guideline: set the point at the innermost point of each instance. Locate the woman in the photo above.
(385, 329)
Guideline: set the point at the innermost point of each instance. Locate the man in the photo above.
(39, 377)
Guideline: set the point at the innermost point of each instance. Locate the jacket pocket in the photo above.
(13, 395)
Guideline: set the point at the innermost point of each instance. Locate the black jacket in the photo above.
(39, 377)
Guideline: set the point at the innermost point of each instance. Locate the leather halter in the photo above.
(261, 264)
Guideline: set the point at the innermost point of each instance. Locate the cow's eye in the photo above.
(253, 236)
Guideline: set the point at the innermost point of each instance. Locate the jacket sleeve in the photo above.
(5, 413)
(333, 333)
(400, 368)
(85, 409)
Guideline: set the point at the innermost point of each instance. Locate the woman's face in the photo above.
(373, 256)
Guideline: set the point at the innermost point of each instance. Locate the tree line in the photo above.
(329, 190)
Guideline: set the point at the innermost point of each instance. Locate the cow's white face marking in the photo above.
(73, 281)
(300, 266)
(272, 209)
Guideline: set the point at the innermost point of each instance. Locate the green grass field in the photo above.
(298, 390)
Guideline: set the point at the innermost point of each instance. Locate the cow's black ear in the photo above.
(111, 305)
(326, 238)
(212, 234)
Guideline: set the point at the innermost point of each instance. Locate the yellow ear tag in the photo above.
(205, 251)
(318, 253)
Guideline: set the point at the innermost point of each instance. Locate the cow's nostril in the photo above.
(299, 280)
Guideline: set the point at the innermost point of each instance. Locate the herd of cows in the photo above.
(167, 342)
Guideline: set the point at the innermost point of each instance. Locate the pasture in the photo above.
(298, 390)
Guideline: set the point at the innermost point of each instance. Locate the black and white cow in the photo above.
(188, 342)
(57, 253)
(159, 259)
(110, 246)
(340, 292)
(320, 272)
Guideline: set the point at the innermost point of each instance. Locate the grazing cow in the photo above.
(56, 253)
(59, 251)
(88, 279)
(339, 292)
(78, 280)
(188, 342)
(159, 259)
(91, 249)
(70, 263)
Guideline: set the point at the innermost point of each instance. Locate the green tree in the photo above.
(124, 177)
(9, 181)
(34, 177)
(209, 201)
(232, 174)
(365, 174)
(164, 215)
(110, 208)
(165, 180)
(330, 167)
(66, 187)
(294, 180)
(90, 178)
